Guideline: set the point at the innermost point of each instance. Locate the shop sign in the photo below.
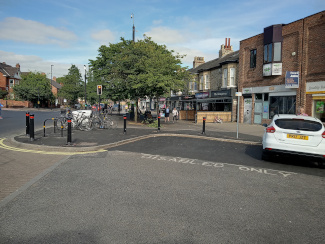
(267, 69)
(276, 68)
(162, 99)
(292, 79)
(202, 95)
(188, 97)
(315, 87)
(224, 93)
(319, 107)
(247, 90)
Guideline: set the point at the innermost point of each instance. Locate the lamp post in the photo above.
(51, 86)
(133, 33)
(85, 86)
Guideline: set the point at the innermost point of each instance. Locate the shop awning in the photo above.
(215, 100)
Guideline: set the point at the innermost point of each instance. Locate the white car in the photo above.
(294, 134)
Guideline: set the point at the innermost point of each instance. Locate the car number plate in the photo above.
(300, 137)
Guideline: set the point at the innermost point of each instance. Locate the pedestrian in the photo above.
(175, 114)
(167, 114)
(0, 110)
(301, 111)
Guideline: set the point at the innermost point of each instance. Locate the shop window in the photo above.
(282, 105)
(225, 77)
(207, 82)
(232, 76)
(253, 59)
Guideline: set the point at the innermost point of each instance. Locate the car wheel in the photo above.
(266, 156)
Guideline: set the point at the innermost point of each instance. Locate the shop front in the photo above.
(262, 103)
(316, 90)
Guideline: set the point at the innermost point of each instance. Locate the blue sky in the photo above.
(41, 33)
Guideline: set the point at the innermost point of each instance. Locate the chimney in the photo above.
(54, 78)
(43, 73)
(18, 66)
(4, 62)
(225, 49)
(198, 61)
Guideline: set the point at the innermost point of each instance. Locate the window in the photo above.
(282, 105)
(253, 59)
(201, 83)
(272, 52)
(16, 82)
(11, 83)
(277, 52)
(225, 78)
(192, 86)
(207, 82)
(232, 76)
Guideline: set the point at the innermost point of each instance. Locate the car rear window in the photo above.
(298, 124)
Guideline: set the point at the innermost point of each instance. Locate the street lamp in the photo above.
(133, 34)
(85, 86)
(51, 86)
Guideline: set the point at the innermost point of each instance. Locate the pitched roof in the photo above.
(8, 70)
(55, 84)
(216, 63)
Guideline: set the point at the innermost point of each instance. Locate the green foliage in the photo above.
(32, 87)
(3, 94)
(150, 122)
(73, 85)
(133, 70)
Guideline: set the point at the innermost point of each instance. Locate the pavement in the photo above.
(103, 138)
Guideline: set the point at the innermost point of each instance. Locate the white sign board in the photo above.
(267, 69)
(315, 87)
(238, 94)
(277, 69)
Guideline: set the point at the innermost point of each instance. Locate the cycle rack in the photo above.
(55, 124)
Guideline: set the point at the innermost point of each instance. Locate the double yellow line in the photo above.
(2, 145)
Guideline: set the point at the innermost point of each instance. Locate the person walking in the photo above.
(175, 114)
(301, 111)
(0, 110)
(167, 114)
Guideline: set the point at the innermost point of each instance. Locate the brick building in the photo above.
(282, 69)
(9, 77)
(215, 82)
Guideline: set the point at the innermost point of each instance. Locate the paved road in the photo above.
(166, 189)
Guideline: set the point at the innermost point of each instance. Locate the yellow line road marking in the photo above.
(112, 145)
(2, 145)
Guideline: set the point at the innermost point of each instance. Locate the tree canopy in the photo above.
(34, 86)
(138, 69)
(72, 87)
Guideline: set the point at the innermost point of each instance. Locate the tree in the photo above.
(72, 87)
(34, 87)
(139, 69)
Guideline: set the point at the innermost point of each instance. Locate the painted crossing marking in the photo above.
(270, 172)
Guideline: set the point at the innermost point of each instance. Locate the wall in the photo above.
(16, 104)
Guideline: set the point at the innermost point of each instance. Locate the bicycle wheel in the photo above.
(112, 123)
(85, 124)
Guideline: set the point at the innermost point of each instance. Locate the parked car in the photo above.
(294, 135)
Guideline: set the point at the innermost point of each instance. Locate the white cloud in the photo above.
(103, 36)
(166, 35)
(36, 63)
(20, 30)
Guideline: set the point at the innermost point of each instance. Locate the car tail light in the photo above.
(323, 135)
(271, 129)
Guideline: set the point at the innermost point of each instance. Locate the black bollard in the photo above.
(27, 123)
(69, 131)
(203, 130)
(158, 123)
(124, 124)
(31, 127)
(55, 124)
